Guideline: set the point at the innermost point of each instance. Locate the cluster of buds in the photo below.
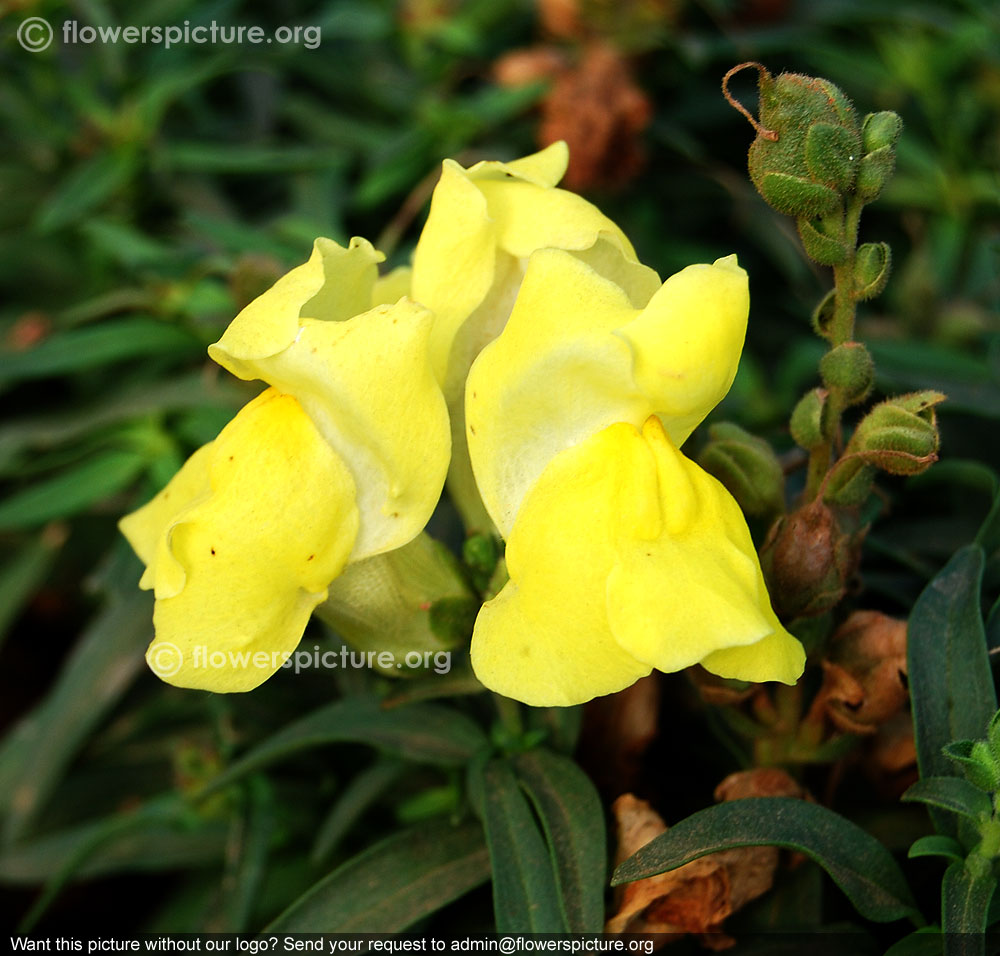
(811, 154)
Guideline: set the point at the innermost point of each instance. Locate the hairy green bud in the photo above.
(849, 369)
(880, 131)
(806, 424)
(899, 435)
(879, 135)
(747, 466)
(872, 265)
(808, 144)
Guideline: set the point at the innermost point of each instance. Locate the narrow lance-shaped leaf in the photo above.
(950, 793)
(525, 897)
(951, 687)
(422, 732)
(103, 664)
(857, 862)
(357, 796)
(570, 811)
(394, 883)
(965, 903)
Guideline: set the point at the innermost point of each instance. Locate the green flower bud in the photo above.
(481, 552)
(808, 143)
(874, 172)
(899, 435)
(821, 248)
(806, 423)
(880, 131)
(747, 466)
(413, 599)
(849, 369)
(977, 763)
(823, 314)
(451, 619)
(872, 265)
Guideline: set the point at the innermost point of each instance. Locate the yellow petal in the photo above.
(545, 168)
(545, 638)
(555, 376)
(334, 284)
(367, 385)
(687, 342)
(626, 556)
(258, 553)
(453, 264)
(577, 356)
(695, 587)
(778, 656)
(143, 528)
(391, 287)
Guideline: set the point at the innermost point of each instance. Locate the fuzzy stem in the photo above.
(841, 330)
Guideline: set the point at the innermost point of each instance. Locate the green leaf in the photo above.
(965, 902)
(525, 897)
(103, 664)
(573, 820)
(951, 687)
(246, 858)
(21, 576)
(71, 490)
(358, 795)
(148, 848)
(937, 845)
(926, 941)
(394, 883)
(857, 862)
(89, 185)
(96, 345)
(422, 732)
(951, 793)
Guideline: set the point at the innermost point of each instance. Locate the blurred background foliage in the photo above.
(147, 194)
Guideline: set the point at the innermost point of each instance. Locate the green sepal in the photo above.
(832, 154)
(821, 248)
(795, 196)
(872, 265)
(880, 131)
(899, 435)
(874, 172)
(822, 315)
(850, 482)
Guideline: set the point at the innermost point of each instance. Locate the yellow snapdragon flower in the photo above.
(623, 554)
(484, 223)
(342, 458)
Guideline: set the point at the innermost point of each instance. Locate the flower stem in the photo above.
(840, 330)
